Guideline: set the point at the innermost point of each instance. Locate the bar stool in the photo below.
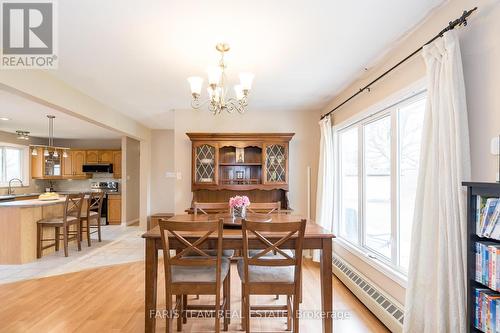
(71, 216)
(91, 217)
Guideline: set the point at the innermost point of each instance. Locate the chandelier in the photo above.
(217, 91)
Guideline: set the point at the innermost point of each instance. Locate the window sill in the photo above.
(6, 186)
(375, 263)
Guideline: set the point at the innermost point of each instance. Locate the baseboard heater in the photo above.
(389, 311)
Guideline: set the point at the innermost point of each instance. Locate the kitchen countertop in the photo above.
(32, 203)
(13, 196)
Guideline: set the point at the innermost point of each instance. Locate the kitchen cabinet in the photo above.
(117, 164)
(92, 157)
(37, 164)
(67, 165)
(72, 165)
(46, 167)
(105, 156)
(114, 208)
(78, 160)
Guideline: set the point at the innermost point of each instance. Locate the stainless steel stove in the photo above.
(106, 187)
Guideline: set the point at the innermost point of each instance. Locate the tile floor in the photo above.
(119, 245)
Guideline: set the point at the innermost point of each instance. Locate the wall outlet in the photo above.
(495, 146)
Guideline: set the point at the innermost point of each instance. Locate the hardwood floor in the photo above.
(111, 299)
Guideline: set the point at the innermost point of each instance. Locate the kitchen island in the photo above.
(18, 223)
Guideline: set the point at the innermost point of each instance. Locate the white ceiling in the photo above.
(26, 115)
(135, 56)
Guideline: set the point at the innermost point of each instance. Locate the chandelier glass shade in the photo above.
(217, 91)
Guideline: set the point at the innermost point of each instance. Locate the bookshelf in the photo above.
(475, 189)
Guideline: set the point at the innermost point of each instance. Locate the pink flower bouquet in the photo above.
(238, 205)
(239, 201)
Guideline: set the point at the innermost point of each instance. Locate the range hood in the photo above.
(95, 168)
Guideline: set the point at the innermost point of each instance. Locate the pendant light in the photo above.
(34, 152)
(46, 152)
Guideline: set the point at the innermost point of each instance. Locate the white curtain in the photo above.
(436, 291)
(324, 195)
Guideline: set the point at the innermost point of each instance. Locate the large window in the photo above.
(13, 164)
(378, 159)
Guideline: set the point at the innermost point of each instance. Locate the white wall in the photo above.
(162, 161)
(131, 181)
(480, 48)
(88, 143)
(303, 147)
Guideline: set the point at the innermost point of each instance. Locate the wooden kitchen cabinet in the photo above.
(105, 156)
(37, 164)
(78, 160)
(67, 165)
(92, 157)
(114, 208)
(45, 167)
(73, 164)
(117, 164)
(71, 167)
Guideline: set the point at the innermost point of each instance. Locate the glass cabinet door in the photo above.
(53, 164)
(276, 164)
(205, 164)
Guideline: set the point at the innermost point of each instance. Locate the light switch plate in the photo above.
(495, 146)
(170, 174)
(179, 175)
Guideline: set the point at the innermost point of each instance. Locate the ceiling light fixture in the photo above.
(50, 150)
(4, 118)
(23, 135)
(217, 101)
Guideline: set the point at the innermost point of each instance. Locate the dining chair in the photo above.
(186, 274)
(265, 207)
(72, 211)
(210, 208)
(265, 274)
(91, 216)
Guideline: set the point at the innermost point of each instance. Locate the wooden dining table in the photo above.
(315, 237)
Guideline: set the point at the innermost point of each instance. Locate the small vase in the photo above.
(239, 212)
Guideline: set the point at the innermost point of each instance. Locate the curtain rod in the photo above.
(462, 20)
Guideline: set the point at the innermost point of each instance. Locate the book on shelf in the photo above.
(488, 264)
(486, 316)
(487, 217)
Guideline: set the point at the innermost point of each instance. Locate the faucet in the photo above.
(10, 191)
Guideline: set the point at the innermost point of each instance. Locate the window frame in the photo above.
(25, 164)
(390, 107)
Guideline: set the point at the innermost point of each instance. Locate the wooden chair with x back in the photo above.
(91, 217)
(186, 274)
(264, 274)
(71, 217)
(265, 207)
(210, 208)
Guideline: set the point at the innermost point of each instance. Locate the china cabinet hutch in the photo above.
(252, 164)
